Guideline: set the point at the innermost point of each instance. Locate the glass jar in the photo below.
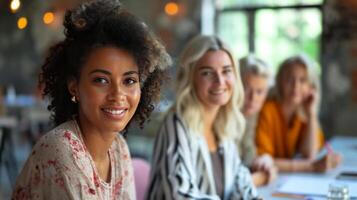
(338, 192)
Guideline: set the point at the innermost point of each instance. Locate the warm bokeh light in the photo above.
(22, 23)
(171, 8)
(15, 5)
(48, 17)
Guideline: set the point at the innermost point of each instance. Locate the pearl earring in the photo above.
(73, 99)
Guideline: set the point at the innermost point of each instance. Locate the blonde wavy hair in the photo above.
(230, 122)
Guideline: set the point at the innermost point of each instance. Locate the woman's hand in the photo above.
(265, 163)
(310, 102)
(330, 161)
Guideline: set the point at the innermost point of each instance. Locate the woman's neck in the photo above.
(247, 115)
(209, 116)
(97, 142)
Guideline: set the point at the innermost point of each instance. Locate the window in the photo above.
(272, 29)
(233, 30)
(231, 3)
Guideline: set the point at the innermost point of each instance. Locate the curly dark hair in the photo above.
(98, 24)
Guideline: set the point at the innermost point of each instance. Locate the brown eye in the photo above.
(227, 71)
(130, 81)
(100, 80)
(207, 73)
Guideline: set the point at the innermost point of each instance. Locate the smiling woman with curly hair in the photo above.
(105, 74)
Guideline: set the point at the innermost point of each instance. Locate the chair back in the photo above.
(141, 175)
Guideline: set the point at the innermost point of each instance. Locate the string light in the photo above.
(22, 23)
(48, 17)
(171, 8)
(15, 5)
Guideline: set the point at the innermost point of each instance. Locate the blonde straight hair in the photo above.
(312, 74)
(230, 122)
(254, 65)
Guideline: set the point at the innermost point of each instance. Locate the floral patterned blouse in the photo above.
(60, 167)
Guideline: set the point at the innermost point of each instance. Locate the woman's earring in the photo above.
(73, 99)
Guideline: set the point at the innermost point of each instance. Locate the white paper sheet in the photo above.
(305, 185)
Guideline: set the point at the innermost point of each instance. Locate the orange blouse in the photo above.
(274, 137)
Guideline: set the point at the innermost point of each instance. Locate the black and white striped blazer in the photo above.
(181, 166)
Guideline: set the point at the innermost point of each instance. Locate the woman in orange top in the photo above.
(288, 126)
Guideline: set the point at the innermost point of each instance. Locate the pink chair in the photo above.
(141, 175)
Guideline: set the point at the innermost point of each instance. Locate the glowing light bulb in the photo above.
(22, 23)
(15, 5)
(171, 8)
(48, 17)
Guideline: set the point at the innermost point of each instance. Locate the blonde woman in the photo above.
(288, 127)
(195, 156)
(255, 76)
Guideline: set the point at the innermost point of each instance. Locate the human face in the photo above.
(108, 90)
(214, 79)
(295, 84)
(255, 90)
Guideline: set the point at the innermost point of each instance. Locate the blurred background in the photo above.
(325, 30)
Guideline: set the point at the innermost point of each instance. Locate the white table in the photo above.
(346, 146)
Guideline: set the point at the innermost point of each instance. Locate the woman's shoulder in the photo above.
(174, 126)
(61, 151)
(270, 104)
(57, 163)
(60, 134)
(59, 141)
(174, 118)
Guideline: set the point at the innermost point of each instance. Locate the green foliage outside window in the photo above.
(229, 3)
(278, 33)
(233, 30)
